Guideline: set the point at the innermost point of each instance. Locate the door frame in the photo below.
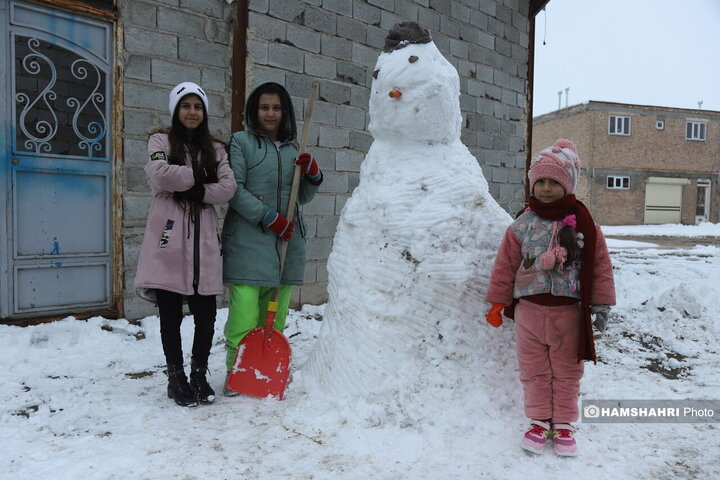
(115, 160)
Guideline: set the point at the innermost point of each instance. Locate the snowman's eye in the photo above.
(375, 73)
(413, 59)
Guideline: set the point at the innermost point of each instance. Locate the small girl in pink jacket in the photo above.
(554, 268)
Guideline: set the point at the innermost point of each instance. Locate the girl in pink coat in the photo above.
(180, 257)
(554, 268)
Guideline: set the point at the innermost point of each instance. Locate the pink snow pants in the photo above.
(547, 347)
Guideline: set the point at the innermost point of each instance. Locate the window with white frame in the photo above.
(695, 131)
(618, 183)
(618, 125)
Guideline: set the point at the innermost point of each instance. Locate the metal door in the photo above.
(55, 169)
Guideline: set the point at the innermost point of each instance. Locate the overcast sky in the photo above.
(646, 52)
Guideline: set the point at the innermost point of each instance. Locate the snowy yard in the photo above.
(86, 399)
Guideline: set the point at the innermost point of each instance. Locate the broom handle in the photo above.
(296, 177)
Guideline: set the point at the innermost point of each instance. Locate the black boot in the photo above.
(178, 387)
(203, 392)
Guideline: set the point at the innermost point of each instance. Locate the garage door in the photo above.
(663, 199)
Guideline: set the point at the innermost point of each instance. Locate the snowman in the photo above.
(415, 242)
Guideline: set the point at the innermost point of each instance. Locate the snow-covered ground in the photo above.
(86, 399)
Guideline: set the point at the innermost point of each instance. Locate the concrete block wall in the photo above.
(165, 42)
(338, 41)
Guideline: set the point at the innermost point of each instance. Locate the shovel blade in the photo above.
(262, 364)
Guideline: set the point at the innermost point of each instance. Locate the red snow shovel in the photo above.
(262, 362)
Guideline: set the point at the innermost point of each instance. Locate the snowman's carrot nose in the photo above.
(395, 93)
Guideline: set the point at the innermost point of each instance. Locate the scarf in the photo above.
(569, 205)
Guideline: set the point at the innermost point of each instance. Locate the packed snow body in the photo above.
(414, 244)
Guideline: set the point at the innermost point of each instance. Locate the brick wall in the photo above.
(336, 41)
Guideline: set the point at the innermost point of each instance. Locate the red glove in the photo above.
(279, 225)
(308, 165)
(494, 316)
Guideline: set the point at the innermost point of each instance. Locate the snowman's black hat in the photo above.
(405, 33)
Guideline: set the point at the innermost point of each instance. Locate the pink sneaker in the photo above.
(563, 436)
(534, 439)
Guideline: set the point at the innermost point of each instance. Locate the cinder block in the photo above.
(150, 42)
(407, 9)
(288, 10)
(135, 209)
(134, 179)
(352, 29)
(212, 8)
(315, 294)
(141, 14)
(137, 67)
(146, 96)
(389, 20)
(360, 141)
(321, 20)
(215, 79)
(172, 73)
(365, 13)
(326, 226)
(342, 7)
(257, 51)
(449, 27)
(318, 248)
(334, 183)
(321, 204)
(333, 137)
(350, 117)
(351, 73)
(304, 38)
(285, 57)
(266, 27)
(324, 113)
(139, 122)
(441, 6)
(200, 52)
(429, 19)
(335, 93)
(176, 21)
(336, 47)
(318, 66)
(260, 6)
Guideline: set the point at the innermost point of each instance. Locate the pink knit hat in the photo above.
(559, 162)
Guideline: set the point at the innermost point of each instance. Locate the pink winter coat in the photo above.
(511, 279)
(167, 251)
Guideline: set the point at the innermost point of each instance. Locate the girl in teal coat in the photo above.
(263, 159)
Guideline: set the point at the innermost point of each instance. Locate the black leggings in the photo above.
(203, 309)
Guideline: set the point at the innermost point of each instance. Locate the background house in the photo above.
(87, 79)
(641, 164)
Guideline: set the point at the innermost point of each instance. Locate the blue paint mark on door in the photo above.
(55, 168)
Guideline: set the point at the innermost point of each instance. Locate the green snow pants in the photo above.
(248, 310)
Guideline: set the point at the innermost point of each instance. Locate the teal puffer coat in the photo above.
(264, 173)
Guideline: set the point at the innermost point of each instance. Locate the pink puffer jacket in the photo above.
(167, 252)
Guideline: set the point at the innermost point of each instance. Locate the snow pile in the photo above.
(409, 265)
(86, 399)
(705, 229)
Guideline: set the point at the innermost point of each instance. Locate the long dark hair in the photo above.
(200, 141)
(567, 237)
(287, 130)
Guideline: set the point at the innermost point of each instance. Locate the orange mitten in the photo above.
(494, 316)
